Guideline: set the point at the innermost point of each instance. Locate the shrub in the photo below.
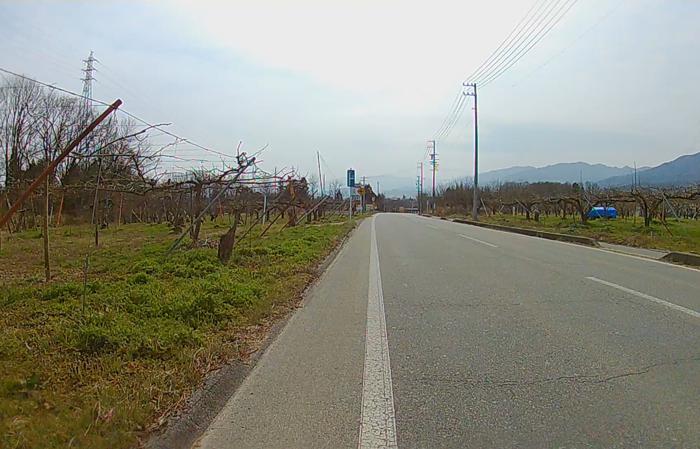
(140, 278)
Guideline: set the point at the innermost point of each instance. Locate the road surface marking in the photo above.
(670, 305)
(477, 240)
(434, 227)
(378, 423)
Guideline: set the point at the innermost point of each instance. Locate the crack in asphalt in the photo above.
(575, 378)
(648, 368)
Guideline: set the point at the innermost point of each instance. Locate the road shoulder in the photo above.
(189, 423)
(305, 390)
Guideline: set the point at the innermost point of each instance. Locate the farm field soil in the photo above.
(99, 364)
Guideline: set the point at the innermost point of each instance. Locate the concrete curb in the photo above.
(682, 258)
(534, 232)
(187, 425)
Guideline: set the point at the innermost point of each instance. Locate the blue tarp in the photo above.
(603, 212)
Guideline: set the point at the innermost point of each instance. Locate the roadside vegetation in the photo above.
(682, 235)
(648, 217)
(96, 361)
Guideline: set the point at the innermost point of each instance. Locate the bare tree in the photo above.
(18, 101)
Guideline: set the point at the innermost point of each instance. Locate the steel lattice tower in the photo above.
(87, 79)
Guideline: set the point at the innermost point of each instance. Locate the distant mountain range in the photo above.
(682, 171)
(562, 172)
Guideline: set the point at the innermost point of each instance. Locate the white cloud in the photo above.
(411, 53)
(367, 82)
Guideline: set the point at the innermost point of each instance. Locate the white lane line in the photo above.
(590, 248)
(477, 240)
(670, 305)
(378, 422)
(433, 227)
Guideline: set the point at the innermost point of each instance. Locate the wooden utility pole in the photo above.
(52, 166)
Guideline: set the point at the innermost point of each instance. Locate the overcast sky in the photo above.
(368, 82)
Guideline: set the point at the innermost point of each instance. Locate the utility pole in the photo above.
(362, 196)
(420, 209)
(420, 188)
(418, 185)
(320, 177)
(475, 205)
(433, 162)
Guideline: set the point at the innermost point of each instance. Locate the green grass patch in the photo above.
(96, 364)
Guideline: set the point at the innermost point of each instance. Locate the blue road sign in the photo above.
(351, 177)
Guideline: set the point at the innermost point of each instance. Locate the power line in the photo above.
(554, 20)
(487, 64)
(325, 164)
(503, 56)
(127, 113)
(448, 116)
(456, 118)
(533, 26)
(600, 20)
(456, 110)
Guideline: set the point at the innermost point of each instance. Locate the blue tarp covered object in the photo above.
(602, 212)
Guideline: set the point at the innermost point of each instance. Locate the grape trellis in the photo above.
(115, 176)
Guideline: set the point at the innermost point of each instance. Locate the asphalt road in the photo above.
(431, 334)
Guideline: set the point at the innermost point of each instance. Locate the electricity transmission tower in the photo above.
(88, 79)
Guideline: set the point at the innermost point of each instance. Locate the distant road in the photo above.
(432, 334)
